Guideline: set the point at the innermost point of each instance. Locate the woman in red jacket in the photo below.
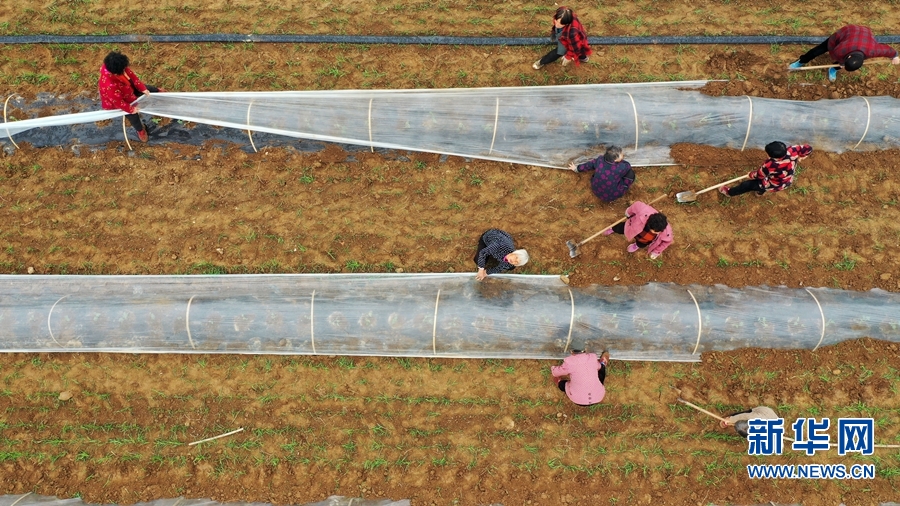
(119, 87)
(570, 37)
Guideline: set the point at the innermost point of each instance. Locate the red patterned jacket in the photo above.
(857, 38)
(574, 39)
(776, 174)
(116, 91)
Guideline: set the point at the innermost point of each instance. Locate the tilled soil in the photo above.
(433, 431)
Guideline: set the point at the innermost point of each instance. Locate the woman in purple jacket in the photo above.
(613, 176)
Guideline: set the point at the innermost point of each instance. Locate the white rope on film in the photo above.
(249, 131)
(496, 119)
(312, 321)
(48, 319)
(699, 323)
(749, 123)
(437, 301)
(637, 127)
(822, 337)
(4, 121)
(868, 121)
(187, 321)
(571, 321)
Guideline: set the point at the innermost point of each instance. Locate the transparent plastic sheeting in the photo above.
(546, 125)
(424, 315)
(43, 500)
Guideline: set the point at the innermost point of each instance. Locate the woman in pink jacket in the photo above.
(647, 227)
(119, 87)
(586, 374)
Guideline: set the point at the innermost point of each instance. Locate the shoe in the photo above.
(724, 191)
(537, 65)
(142, 135)
(832, 74)
(632, 248)
(796, 65)
(608, 232)
(584, 60)
(604, 357)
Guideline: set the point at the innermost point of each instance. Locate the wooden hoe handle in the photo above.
(657, 199)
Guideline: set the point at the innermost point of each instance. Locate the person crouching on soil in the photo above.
(613, 176)
(497, 253)
(586, 374)
(647, 227)
(119, 87)
(776, 173)
(740, 420)
(571, 40)
(848, 47)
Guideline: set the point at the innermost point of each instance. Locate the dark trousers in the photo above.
(135, 119)
(550, 57)
(601, 374)
(751, 185)
(814, 53)
(619, 228)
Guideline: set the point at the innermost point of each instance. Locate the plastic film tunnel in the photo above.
(30, 499)
(424, 315)
(546, 126)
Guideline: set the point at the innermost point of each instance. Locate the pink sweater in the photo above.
(584, 386)
(640, 213)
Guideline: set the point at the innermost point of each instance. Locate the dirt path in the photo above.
(183, 209)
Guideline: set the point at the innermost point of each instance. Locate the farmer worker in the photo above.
(775, 174)
(584, 374)
(647, 227)
(848, 47)
(570, 37)
(119, 87)
(497, 253)
(739, 420)
(612, 174)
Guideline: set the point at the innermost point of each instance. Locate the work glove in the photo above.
(566, 61)
(654, 256)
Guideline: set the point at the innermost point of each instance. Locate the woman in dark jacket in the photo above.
(613, 176)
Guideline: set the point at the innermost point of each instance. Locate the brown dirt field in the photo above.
(435, 431)
(445, 17)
